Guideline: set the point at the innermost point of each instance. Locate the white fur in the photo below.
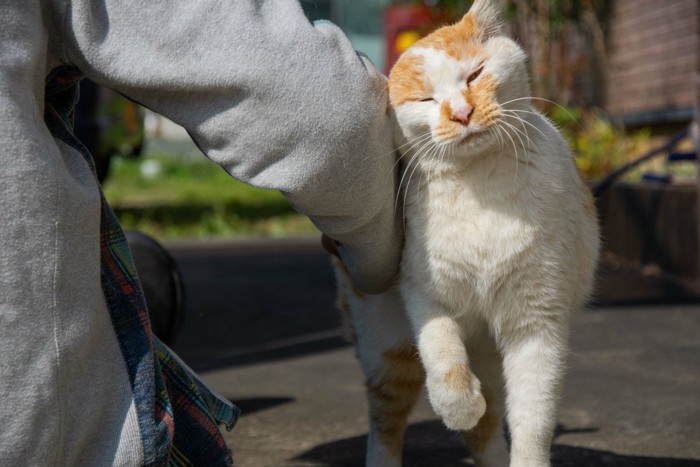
(500, 250)
(488, 15)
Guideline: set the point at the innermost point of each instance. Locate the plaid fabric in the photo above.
(177, 414)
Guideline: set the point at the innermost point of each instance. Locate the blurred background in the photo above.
(617, 76)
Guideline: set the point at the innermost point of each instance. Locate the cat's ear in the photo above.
(486, 15)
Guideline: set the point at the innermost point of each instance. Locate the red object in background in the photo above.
(403, 24)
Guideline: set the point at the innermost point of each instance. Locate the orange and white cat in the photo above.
(501, 247)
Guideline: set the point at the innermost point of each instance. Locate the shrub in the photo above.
(598, 146)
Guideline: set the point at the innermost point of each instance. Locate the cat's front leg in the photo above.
(533, 364)
(454, 391)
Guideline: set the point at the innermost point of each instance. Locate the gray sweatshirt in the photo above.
(277, 102)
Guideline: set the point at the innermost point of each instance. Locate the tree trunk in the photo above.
(600, 56)
(542, 49)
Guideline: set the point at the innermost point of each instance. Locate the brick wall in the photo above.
(653, 48)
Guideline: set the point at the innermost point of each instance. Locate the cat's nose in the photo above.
(462, 115)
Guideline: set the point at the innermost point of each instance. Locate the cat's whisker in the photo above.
(412, 156)
(500, 137)
(428, 154)
(517, 135)
(452, 154)
(409, 143)
(401, 192)
(443, 154)
(515, 146)
(514, 113)
(493, 130)
(420, 144)
(520, 132)
(435, 161)
(533, 98)
(525, 111)
(414, 142)
(447, 151)
(403, 197)
(531, 144)
(515, 176)
(532, 147)
(419, 141)
(425, 147)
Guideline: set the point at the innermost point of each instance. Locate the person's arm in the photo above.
(276, 101)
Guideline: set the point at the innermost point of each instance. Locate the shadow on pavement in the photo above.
(429, 444)
(426, 444)
(250, 406)
(571, 456)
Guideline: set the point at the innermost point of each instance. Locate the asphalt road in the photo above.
(262, 329)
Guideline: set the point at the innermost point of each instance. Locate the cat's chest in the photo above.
(475, 234)
(457, 234)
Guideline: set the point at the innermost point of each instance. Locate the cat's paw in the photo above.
(456, 397)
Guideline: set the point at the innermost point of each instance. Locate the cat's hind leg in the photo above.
(389, 360)
(392, 390)
(486, 440)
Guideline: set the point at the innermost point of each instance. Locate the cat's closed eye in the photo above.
(427, 99)
(475, 74)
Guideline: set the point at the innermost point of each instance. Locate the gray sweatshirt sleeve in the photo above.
(278, 102)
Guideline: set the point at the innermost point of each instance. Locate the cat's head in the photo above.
(460, 81)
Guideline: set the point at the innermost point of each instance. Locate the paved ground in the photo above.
(261, 328)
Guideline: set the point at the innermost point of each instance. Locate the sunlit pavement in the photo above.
(262, 329)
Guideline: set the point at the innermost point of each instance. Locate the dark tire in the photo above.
(162, 285)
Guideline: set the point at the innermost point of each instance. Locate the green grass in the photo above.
(168, 196)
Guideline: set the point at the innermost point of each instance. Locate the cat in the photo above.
(501, 247)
